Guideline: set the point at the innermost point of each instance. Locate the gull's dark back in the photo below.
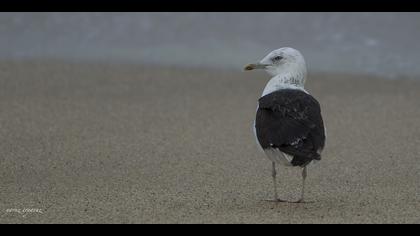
(290, 120)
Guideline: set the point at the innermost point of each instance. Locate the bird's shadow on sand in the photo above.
(256, 205)
(288, 202)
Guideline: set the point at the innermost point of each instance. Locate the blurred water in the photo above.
(384, 44)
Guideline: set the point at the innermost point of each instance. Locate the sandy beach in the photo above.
(96, 143)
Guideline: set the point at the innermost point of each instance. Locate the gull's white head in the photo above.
(285, 63)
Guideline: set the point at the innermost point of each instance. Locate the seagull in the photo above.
(288, 126)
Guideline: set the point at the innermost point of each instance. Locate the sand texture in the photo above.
(133, 144)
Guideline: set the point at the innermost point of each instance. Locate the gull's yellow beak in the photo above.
(255, 66)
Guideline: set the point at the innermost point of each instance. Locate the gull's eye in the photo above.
(277, 58)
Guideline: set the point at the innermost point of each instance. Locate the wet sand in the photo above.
(130, 144)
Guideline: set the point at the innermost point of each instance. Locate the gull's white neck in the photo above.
(287, 80)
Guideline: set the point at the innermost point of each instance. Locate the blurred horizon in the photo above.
(383, 44)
